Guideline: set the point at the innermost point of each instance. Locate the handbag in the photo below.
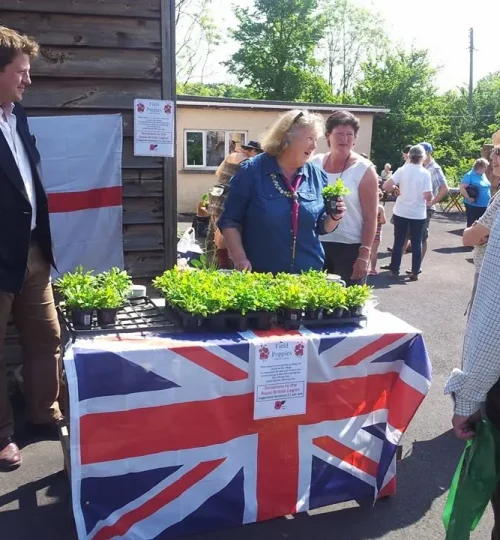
(472, 191)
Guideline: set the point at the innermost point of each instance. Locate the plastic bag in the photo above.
(473, 483)
(187, 248)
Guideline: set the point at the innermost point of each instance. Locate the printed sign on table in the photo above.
(153, 128)
(280, 379)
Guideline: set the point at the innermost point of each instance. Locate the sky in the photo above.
(441, 26)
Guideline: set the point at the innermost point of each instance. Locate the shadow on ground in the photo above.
(416, 493)
(54, 521)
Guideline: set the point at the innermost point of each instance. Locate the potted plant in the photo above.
(117, 279)
(316, 290)
(356, 298)
(202, 206)
(107, 302)
(292, 300)
(331, 194)
(78, 290)
(335, 304)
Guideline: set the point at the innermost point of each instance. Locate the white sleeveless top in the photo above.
(349, 228)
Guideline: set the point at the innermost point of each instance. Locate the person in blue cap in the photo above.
(439, 190)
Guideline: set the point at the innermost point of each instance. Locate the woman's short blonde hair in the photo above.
(481, 162)
(281, 133)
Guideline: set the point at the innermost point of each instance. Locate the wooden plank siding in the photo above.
(96, 57)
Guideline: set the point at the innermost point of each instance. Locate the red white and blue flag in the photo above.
(81, 164)
(164, 445)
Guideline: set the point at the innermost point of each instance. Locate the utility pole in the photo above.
(471, 70)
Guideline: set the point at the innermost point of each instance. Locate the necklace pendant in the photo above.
(295, 197)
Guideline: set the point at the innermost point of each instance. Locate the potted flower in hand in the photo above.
(331, 195)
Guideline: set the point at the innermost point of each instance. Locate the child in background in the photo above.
(378, 236)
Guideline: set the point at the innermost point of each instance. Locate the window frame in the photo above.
(204, 166)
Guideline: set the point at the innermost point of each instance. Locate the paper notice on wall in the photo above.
(154, 128)
(280, 379)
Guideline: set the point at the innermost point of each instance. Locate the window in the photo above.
(207, 149)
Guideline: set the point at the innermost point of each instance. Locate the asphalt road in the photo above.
(34, 499)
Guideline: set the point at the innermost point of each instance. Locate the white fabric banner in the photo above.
(81, 164)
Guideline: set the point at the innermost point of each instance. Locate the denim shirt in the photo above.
(264, 216)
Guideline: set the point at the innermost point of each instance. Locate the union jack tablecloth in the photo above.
(164, 445)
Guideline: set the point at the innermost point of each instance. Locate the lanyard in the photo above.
(295, 210)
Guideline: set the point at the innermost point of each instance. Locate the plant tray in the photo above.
(221, 322)
(321, 323)
(139, 314)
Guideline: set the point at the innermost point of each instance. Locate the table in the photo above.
(163, 441)
(455, 201)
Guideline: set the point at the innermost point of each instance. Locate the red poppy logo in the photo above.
(279, 405)
(153, 147)
(141, 107)
(299, 349)
(167, 108)
(264, 353)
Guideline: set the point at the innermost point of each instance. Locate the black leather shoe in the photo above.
(10, 456)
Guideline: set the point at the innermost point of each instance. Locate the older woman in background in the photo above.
(347, 250)
(476, 206)
(477, 234)
(274, 212)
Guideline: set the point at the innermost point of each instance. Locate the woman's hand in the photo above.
(243, 264)
(360, 268)
(341, 208)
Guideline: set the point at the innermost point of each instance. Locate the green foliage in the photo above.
(336, 190)
(84, 290)
(357, 295)
(353, 34)
(276, 57)
(115, 280)
(215, 90)
(208, 292)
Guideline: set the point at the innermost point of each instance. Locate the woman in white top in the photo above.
(347, 249)
(410, 210)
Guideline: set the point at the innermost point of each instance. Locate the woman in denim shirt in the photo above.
(274, 212)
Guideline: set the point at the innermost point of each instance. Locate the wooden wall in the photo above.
(96, 57)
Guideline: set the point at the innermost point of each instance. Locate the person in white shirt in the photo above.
(25, 256)
(410, 210)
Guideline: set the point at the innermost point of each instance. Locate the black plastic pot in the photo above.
(262, 321)
(106, 316)
(81, 318)
(357, 311)
(338, 313)
(346, 314)
(314, 314)
(331, 206)
(292, 318)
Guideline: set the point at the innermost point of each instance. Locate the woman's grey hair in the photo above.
(481, 162)
(416, 153)
(282, 131)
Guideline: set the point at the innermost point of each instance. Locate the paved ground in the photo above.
(34, 499)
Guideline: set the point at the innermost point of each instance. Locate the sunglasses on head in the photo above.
(298, 117)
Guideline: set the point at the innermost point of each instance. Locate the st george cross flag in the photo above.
(164, 444)
(81, 165)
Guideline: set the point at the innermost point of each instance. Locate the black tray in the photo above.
(138, 314)
(321, 323)
(222, 322)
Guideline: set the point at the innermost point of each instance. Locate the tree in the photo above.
(403, 82)
(487, 105)
(215, 90)
(196, 35)
(277, 41)
(353, 34)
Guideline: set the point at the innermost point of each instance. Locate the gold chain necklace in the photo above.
(279, 189)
